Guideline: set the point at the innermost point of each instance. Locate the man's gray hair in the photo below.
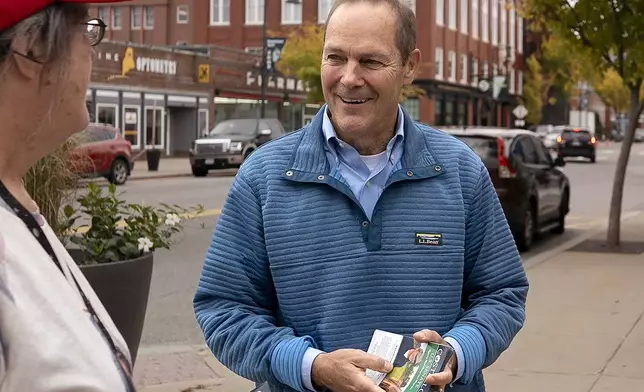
(406, 25)
(51, 30)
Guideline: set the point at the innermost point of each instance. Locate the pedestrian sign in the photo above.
(204, 73)
(520, 112)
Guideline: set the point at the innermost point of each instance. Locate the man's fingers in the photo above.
(427, 336)
(368, 361)
(442, 378)
(364, 384)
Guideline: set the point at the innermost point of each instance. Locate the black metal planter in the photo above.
(123, 287)
(153, 157)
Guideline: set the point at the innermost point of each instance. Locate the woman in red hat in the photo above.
(54, 333)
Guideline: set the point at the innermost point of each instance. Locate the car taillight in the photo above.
(559, 139)
(593, 140)
(505, 171)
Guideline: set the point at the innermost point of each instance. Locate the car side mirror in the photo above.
(559, 161)
(265, 132)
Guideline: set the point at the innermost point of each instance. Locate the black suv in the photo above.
(231, 142)
(533, 190)
(576, 142)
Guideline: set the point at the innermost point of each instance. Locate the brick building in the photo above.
(462, 42)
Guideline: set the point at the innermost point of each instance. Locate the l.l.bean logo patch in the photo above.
(429, 239)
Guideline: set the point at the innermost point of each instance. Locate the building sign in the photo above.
(204, 73)
(130, 61)
(278, 82)
(274, 47)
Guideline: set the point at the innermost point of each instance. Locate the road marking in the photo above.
(203, 214)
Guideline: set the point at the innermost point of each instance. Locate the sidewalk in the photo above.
(584, 333)
(171, 168)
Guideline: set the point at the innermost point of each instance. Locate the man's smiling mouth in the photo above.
(354, 101)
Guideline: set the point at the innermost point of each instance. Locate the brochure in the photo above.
(412, 362)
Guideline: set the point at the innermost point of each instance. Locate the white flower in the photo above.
(172, 219)
(145, 244)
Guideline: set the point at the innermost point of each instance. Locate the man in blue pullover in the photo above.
(362, 220)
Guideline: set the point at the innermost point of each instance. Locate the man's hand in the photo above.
(444, 378)
(344, 370)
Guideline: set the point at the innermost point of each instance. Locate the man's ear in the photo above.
(412, 66)
(25, 58)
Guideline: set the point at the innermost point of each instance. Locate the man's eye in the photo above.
(333, 57)
(371, 63)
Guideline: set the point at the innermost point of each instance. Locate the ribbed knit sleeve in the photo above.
(495, 286)
(235, 303)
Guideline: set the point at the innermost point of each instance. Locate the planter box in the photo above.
(123, 287)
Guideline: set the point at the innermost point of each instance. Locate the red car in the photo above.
(110, 155)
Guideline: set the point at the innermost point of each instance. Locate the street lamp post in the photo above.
(264, 70)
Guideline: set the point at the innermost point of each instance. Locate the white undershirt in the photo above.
(372, 160)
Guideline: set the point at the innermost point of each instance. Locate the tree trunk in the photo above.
(614, 219)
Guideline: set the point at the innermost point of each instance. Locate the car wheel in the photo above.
(526, 235)
(561, 221)
(199, 171)
(592, 159)
(118, 172)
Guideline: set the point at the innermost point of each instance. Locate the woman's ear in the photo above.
(25, 58)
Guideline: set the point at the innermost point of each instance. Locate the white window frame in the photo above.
(103, 13)
(146, 11)
(295, 16)
(451, 65)
(144, 138)
(439, 61)
(219, 19)
(513, 46)
(113, 25)
(207, 112)
(134, 20)
(520, 34)
(324, 7)
(183, 10)
(476, 18)
(464, 76)
(452, 12)
(464, 16)
(486, 69)
(504, 25)
(520, 82)
(440, 12)
(256, 17)
(114, 106)
(485, 20)
(139, 124)
(475, 72)
(495, 22)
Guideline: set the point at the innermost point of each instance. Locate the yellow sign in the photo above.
(128, 63)
(204, 73)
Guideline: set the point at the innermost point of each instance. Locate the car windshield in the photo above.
(572, 134)
(484, 147)
(234, 127)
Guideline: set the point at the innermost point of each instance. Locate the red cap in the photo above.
(14, 11)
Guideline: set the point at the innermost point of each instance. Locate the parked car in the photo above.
(533, 190)
(639, 135)
(110, 155)
(230, 142)
(577, 142)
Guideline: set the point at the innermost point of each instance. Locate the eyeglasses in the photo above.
(95, 31)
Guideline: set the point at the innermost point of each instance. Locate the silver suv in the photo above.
(230, 142)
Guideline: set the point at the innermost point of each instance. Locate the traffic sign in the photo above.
(519, 123)
(520, 112)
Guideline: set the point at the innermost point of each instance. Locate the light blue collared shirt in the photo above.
(367, 186)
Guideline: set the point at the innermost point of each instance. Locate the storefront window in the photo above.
(231, 108)
(154, 126)
(412, 106)
(106, 114)
(292, 115)
(438, 111)
(203, 123)
(449, 113)
(461, 114)
(131, 124)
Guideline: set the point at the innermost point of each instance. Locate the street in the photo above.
(170, 320)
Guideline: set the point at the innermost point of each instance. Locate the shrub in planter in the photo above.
(114, 244)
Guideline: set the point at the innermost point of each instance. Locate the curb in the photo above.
(536, 260)
(217, 173)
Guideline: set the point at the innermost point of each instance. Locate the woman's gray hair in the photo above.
(51, 30)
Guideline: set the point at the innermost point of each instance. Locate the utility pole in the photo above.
(264, 71)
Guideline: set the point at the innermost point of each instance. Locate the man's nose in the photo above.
(352, 75)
